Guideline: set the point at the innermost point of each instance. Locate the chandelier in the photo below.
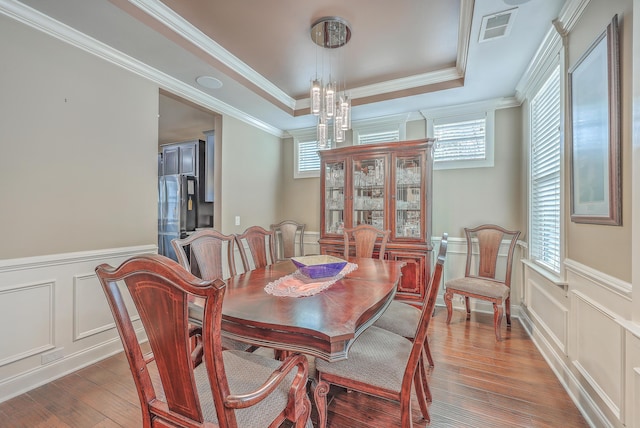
(332, 108)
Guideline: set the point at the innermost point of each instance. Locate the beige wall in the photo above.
(472, 196)
(79, 142)
(605, 248)
(300, 197)
(250, 177)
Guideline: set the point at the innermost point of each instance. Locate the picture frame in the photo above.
(594, 118)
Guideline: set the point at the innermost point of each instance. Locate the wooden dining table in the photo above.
(323, 325)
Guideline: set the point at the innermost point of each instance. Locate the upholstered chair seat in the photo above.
(369, 359)
(400, 318)
(485, 287)
(244, 375)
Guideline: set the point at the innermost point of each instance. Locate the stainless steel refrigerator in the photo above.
(177, 210)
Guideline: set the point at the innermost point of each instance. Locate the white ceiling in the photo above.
(404, 55)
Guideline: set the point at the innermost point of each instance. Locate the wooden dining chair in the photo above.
(228, 388)
(487, 273)
(402, 318)
(387, 365)
(256, 246)
(289, 239)
(364, 237)
(209, 254)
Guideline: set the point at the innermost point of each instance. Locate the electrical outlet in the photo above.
(237, 220)
(54, 354)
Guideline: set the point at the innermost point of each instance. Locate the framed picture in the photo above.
(594, 94)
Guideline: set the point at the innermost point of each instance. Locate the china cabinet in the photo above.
(388, 186)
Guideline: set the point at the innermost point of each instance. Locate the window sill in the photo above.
(549, 276)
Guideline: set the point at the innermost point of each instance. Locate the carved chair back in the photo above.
(207, 254)
(484, 256)
(289, 239)
(365, 237)
(257, 247)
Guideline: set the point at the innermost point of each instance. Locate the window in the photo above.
(380, 130)
(544, 216)
(306, 159)
(379, 137)
(463, 140)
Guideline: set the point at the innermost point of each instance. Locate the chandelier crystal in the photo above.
(332, 108)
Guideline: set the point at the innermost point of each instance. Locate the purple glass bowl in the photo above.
(319, 266)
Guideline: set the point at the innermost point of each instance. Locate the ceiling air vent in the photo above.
(497, 25)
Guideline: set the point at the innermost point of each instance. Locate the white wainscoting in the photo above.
(597, 349)
(636, 393)
(632, 367)
(552, 316)
(14, 319)
(311, 245)
(584, 331)
(54, 318)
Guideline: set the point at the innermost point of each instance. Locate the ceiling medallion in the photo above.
(330, 32)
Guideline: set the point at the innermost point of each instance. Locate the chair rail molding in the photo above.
(601, 279)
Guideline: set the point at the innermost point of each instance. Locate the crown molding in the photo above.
(166, 16)
(550, 46)
(401, 84)
(444, 75)
(468, 108)
(41, 22)
(464, 35)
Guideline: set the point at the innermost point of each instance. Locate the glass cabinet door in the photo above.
(408, 206)
(369, 177)
(334, 197)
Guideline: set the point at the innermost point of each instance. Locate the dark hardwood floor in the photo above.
(476, 383)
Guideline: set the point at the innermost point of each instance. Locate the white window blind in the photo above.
(545, 174)
(308, 159)
(460, 140)
(379, 137)
(380, 130)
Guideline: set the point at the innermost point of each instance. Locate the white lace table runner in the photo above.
(299, 285)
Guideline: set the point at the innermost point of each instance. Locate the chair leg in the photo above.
(448, 296)
(468, 306)
(421, 395)
(425, 382)
(497, 320)
(507, 309)
(320, 389)
(427, 351)
(304, 420)
(418, 384)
